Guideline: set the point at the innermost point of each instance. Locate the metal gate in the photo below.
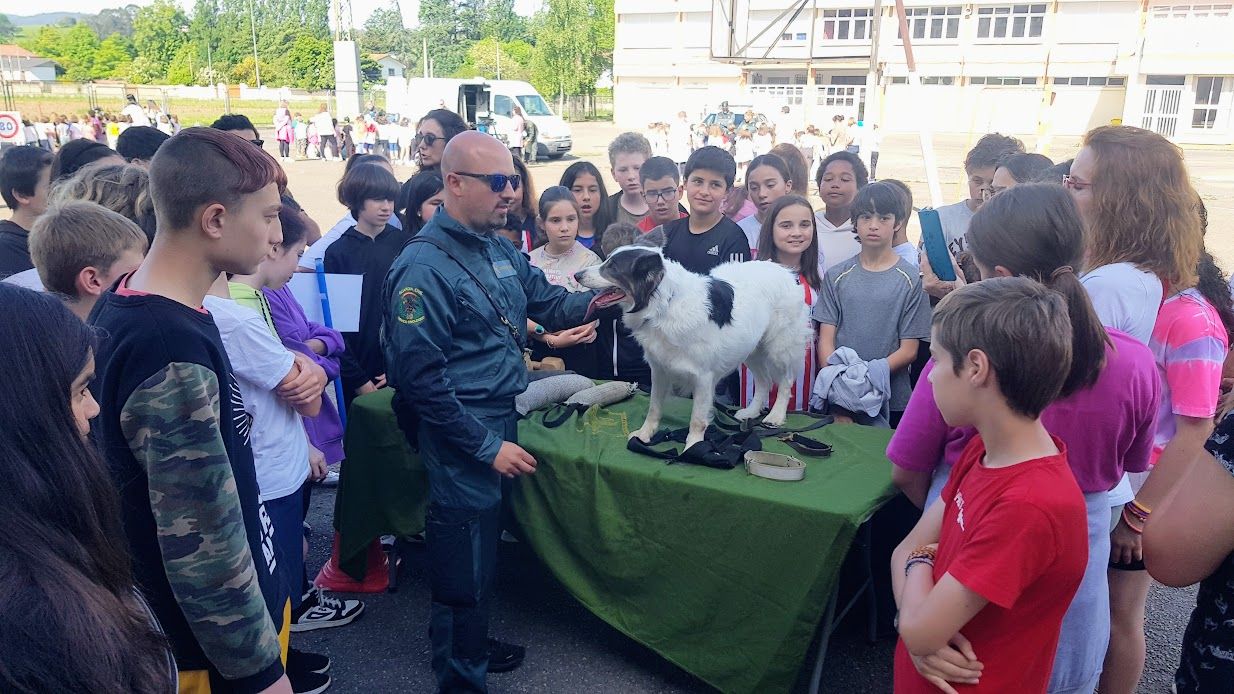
(1161, 109)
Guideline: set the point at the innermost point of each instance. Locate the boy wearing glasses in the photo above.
(661, 183)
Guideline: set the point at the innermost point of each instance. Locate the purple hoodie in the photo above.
(325, 431)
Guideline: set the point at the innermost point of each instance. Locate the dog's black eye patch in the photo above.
(719, 301)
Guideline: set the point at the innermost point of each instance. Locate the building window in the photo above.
(793, 37)
(1190, 11)
(1010, 21)
(1003, 81)
(847, 25)
(390, 71)
(933, 23)
(1212, 102)
(1165, 80)
(899, 80)
(1091, 81)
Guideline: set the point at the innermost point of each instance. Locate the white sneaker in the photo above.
(320, 611)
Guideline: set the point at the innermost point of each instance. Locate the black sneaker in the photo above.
(299, 662)
(320, 611)
(504, 657)
(307, 671)
(308, 682)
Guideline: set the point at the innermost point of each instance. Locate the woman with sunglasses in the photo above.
(434, 130)
(1143, 243)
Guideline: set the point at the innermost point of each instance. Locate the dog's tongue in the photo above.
(602, 300)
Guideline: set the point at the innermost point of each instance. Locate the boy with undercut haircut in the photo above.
(81, 248)
(626, 154)
(25, 179)
(661, 183)
(706, 238)
(984, 579)
(174, 427)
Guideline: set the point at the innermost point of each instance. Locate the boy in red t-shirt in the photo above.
(983, 581)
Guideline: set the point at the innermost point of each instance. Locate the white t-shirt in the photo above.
(324, 123)
(909, 253)
(317, 251)
(954, 219)
(260, 362)
(27, 278)
(835, 243)
(137, 113)
(1125, 297)
(753, 229)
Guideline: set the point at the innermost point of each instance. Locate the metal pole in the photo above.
(253, 30)
(924, 131)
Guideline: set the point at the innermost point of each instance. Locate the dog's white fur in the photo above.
(688, 351)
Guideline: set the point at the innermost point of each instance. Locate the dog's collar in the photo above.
(774, 466)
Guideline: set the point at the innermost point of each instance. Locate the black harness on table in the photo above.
(726, 442)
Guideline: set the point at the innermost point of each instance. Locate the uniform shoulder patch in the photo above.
(410, 306)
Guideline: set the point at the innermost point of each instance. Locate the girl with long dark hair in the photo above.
(584, 180)
(419, 199)
(71, 619)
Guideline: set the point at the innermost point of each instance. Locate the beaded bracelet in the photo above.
(1132, 521)
(918, 560)
(1138, 510)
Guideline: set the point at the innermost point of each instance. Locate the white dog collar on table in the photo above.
(774, 466)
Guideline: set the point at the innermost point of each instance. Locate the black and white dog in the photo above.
(696, 329)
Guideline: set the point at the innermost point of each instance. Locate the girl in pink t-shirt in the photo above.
(1105, 416)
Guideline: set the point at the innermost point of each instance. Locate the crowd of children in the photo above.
(1053, 406)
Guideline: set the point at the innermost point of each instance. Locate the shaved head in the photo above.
(471, 200)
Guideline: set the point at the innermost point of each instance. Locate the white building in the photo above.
(1052, 68)
(390, 66)
(27, 69)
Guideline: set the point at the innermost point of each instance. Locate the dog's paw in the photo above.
(691, 440)
(642, 435)
(774, 420)
(747, 413)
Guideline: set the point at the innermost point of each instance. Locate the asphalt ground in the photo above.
(570, 651)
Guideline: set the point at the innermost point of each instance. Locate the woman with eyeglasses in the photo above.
(1143, 243)
(434, 130)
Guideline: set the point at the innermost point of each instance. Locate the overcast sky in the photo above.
(360, 9)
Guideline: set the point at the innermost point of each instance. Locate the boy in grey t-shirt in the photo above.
(873, 303)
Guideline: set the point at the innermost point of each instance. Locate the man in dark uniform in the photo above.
(457, 308)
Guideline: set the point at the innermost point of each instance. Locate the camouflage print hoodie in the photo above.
(174, 431)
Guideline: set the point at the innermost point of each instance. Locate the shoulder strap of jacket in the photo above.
(501, 316)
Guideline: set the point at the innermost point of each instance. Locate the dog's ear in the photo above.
(652, 239)
(645, 277)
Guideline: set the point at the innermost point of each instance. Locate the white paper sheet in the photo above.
(344, 292)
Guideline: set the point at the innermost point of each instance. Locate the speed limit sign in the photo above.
(11, 130)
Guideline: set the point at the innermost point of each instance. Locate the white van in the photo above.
(484, 104)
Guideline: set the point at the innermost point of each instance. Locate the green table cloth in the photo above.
(383, 487)
(724, 574)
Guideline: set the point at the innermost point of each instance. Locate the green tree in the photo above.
(143, 70)
(483, 60)
(7, 30)
(157, 33)
(574, 45)
(310, 62)
(113, 57)
(448, 35)
(185, 65)
(77, 50)
(499, 20)
(115, 20)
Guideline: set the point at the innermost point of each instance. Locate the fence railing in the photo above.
(585, 107)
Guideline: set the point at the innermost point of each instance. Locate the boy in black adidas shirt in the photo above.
(706, 238)
(173, 426)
